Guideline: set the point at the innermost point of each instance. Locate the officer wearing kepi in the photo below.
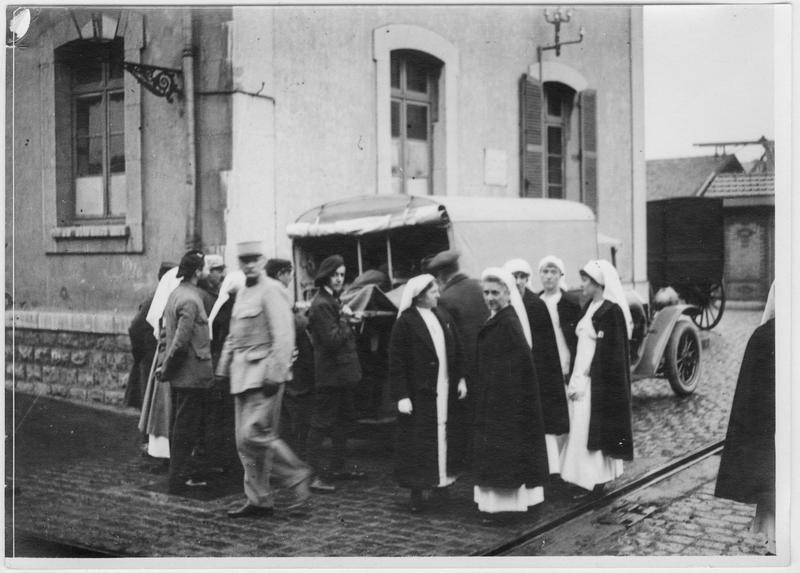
(257, 357)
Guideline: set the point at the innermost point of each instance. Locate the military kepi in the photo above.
(327, 268)
(249, 249)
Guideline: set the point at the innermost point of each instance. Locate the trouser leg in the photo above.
(186, 426)
(254, 434)
(316, 437)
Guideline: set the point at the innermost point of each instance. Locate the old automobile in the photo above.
(385, 239)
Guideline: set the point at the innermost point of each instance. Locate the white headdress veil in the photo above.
(516, 300)
(232, 282)
(412, 288)
(606, 275)
(518, 266)
(769, 309)
(168, 283)
(559, 264)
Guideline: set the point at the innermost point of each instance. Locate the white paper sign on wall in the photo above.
(495, 167)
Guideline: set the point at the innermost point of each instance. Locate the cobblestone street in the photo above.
(80, 480)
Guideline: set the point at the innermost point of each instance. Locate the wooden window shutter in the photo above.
(588, 111)
(531, 99)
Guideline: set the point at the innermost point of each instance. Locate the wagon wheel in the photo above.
(682, 358)
(712, 305)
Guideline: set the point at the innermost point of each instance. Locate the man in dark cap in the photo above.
(257, 360)
(187, 367)
(337, 373)
(296, 410)
(462, 298)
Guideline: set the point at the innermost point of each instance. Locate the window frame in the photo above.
(392, 37)
(62, 235)
(405, 97)
(105, 88)
(565, 96)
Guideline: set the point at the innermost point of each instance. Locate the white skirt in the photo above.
(497, 499)
(158, 446)
(555, 446)
(579, 465)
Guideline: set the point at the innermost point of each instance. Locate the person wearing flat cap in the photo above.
(257, 360)
(337, 373)
(548, 364)
(187, 368)
(462, 298)
(426, 379)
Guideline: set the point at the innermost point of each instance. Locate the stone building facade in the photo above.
(279, 109)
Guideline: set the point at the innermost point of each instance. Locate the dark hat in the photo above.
(442, 260)
(278, 266)
(327, 268)
(165, 266)
(191, 262)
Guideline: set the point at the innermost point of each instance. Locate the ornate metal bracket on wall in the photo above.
(163, 82)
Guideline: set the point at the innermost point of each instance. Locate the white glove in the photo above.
(462, 389)
(404, 406)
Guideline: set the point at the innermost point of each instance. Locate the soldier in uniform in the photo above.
(257, 358)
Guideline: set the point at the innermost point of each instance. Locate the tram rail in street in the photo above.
(648, 479)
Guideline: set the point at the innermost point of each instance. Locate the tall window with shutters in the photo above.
(414, 111)
(558, 142)
(92, 83)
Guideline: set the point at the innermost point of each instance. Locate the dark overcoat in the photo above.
(548, 365)
(187, 358)
(462, 298)
(336, 363)
(747, 468)
(143, 348)
(569, 313)
(509, 431)
(610, 425)
(413, 373)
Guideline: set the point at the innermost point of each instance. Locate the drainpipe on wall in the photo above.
(187, 66)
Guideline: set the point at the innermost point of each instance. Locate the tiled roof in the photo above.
(735, 185)
(686, 176)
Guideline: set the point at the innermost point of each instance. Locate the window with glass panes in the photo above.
(558, 107)
(414, 79)
(98, 130)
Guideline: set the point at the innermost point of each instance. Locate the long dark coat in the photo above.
(610, 426)
(143, 348)
(548, 365)
(462, 298)
(509, 431)
(747, 468)
(413, 373)
(569, 313)
(335, 355)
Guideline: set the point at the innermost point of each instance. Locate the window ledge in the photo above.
(90, 232)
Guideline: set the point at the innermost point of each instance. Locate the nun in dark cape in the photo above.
(510, 456)
(427, 383)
